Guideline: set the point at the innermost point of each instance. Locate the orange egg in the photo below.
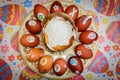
(60, 67)
(83, 51)
(45, 64)
(40, 11)
(29, 40)
(33, 26)
(88, 36)
(34, 54)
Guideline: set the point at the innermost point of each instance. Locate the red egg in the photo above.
(29, 40)
(73, 11)
(45, 64)
(60, 67)
(33, 26)
(34, 54)
(88, 36)
(56, 7)
(40, 11)
(83, 51)
(75, 64)
(83, 22)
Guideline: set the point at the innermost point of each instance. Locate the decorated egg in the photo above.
(118, 69)
(88, 36)
(5, 71)
(75, 64)
(73, 11)
(108, 8)
(60, 66)
(113, 32)
(13, 14)
(95, 19)
(45, 64)
(99, 63)
(83, 51)
(1, 32)
(54, 30)
(83, 22)
(28, 74)
(34, 54)
(33, 26)
(40, 11)
(56, 7)
(29, 40)
(14, 41)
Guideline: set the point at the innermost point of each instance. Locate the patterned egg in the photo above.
(78, 77)
(94, 18)
(40, 12)
(1, 32)
(106, 7)
(113, 32)
(45, 64)
(73, 11)
(88, 36)
(33, 26)
(28, 74)
(99, 64)
(5, 71)
(13, 14)
(60, 66)
(34, 54)
(75, 64)
(56, 7)
(83, 51)
(29, 40)
(118, 70)
(14, 41)
(83, 22)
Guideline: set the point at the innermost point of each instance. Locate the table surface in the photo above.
(106, 64)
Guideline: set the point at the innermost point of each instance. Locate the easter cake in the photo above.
(58, 39)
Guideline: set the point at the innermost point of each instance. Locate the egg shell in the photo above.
(83, 51)
(56, 7)
(45, 64)
(40, 12)
(29, 40)
(34, 54)
(88, 36)
(83, 22)
(60, 66)
(33, 26)
(75, 64)
(73, 11)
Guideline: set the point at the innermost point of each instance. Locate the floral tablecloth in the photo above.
(106, 64)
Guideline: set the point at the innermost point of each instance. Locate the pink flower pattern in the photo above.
(11, 58)
(107, 48)
(4, 48)
(101, 39)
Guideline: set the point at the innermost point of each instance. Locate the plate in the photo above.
(59, 54)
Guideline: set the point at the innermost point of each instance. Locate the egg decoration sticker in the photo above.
(13, 14)
(113, 32)
(1, 32)
(14, 41)
(107, 7)
(118, 69)
(99, 63)
(55, 39)
(5, 71)
(28, 74)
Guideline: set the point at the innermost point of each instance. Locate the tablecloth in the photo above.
(106, 64)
